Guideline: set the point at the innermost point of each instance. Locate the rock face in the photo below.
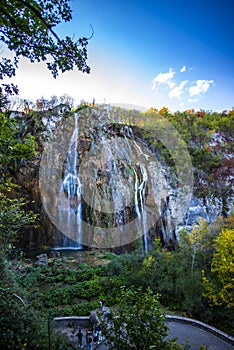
(100, 183)
(41, 260)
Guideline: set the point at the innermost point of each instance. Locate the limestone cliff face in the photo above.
(106, 181)
(40, 125)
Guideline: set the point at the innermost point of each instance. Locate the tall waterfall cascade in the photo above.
(107, 183)
(111, 189)
(71, 185)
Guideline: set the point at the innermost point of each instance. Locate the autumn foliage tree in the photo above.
(219, 286)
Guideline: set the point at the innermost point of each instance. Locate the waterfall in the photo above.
(139, 187)
(142, 193)
(104, 184)
(130, 152)
(139, 199)
(72, 187)
(116, 179)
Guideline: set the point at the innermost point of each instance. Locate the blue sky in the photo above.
(178, 54)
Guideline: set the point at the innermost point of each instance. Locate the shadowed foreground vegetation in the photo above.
(195, 280)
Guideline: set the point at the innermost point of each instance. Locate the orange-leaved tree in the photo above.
(220, 285)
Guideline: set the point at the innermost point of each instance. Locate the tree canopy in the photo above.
(219, 288)
(138, 323)
(27, 29)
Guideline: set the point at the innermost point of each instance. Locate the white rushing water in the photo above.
(71, 209)
(115, 192)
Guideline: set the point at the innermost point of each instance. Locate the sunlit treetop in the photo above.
(27, 28)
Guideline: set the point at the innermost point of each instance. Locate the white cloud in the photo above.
(183, 92)
(183, 69)
(171, 84)
(193, 99)
(178, 90)
(200, 87)
(164, 78)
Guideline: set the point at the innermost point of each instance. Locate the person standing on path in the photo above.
(89, 340)
(80, 337)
